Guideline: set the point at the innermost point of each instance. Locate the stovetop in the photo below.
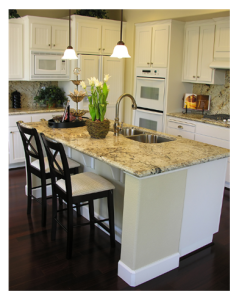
(217, 117)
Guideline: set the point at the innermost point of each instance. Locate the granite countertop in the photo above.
(136, 158)
(198, 118)
(35, 110)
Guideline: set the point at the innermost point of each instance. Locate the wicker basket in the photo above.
(98, 130)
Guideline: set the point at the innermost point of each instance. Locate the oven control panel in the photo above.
(151, 72)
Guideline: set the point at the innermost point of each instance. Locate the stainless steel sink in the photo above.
(149, 138)
(128, 131)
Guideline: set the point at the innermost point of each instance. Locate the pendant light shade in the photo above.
(120, 50)
(69, 52)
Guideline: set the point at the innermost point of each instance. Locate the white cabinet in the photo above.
(222, 39)
(180, 128)
(201, 132)
(15, 51)
(198, 54)
(93, 36)
(16, 150)
(49, 37)
(151, 45)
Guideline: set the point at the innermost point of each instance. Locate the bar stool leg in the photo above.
(29, 192)
(54, 215)
(69, 231)
(111, 217)
(92, 215)
(43, 201)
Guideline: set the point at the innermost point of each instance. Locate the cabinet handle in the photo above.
(99, 48)
(194, 76)
(54, 45)
(179, 135)
(49, 45)
(151, 63)
(11, 131)
(103, 49)
(198, 76)
(180, 126)
(148, 63)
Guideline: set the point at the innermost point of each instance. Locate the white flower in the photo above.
(97, 83)
(83, 85)
(106, 78)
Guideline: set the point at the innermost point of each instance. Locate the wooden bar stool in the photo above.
(84, 187)
(39, 167)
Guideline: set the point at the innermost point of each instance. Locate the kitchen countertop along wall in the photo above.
(135, 158)
(198, 118)
(36, 110)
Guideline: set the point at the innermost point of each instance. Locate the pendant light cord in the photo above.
(121, 25)
(69, 27)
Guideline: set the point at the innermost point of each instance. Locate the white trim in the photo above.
(146, 273)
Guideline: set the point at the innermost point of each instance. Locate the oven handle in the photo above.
(150, 111)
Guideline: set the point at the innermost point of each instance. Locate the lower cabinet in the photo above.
(16, 150)
(201, 132)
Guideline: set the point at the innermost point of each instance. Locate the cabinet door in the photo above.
(15, 51)
(40, 36)
(222, 40)
(110, 37)
(115, 68)
(60, 37)
(160, 39)
(191, 53)
(88, 38)
(143, 46)
(16, 150)
(205, 55)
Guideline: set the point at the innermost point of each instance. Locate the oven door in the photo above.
(49, 65)
(150, 93)
(148, 119)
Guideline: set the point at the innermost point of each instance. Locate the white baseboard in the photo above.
(146, 273)
(195, 246)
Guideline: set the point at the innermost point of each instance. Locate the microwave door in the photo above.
(49, 65)
(150, 93)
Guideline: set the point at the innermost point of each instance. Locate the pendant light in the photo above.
(120, 50)
(69, 52)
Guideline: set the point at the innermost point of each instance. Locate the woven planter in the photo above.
(98, 130)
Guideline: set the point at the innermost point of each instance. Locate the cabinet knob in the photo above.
(179, 135)
(194, 76)
(151, 63)
(11, 131)
(99, 48)
(54, 45)
(180, 126)
(148, 63)
(198, 76)
(103, 49)
(49, 45)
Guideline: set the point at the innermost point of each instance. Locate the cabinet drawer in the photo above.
(212, 141)
(213, 131)
(181, 125)
(47, 116)
(181, 133)
(14, 119)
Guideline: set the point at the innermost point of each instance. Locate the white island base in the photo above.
(161, 217)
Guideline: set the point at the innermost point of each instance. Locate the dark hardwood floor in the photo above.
(38, 264)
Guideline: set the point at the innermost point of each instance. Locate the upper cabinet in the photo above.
(93, 36)
(151, 45)
(49, 37)
(222, 39)
(15, 51)
(198, 54)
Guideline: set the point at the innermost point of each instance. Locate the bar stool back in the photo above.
(84, 187)
(39, 167)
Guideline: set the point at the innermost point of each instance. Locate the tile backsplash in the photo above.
(220, 95)
(28, 90)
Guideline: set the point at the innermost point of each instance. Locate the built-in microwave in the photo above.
(49, 66)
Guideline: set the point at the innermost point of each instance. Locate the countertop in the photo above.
(198, 118)
(136, 158)
(35, 110)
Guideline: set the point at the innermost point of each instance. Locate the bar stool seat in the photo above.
(77, 190)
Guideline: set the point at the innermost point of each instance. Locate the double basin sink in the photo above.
(143, 137)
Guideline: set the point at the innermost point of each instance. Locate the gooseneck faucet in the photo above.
(116, 123)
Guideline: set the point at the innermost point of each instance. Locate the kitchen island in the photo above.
(168, 196)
